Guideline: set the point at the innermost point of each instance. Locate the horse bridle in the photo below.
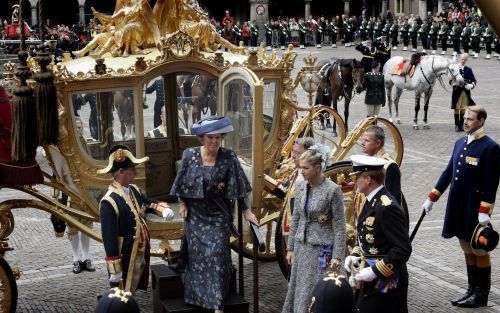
(438, 77)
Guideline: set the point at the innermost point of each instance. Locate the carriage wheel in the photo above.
(8, 288)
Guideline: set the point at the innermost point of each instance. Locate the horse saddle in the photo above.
(403, 68)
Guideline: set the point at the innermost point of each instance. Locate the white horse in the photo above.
(427, 71)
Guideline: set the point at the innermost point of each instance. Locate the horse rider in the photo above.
(383, 246)
(405, 29)
(473, 171)
(158, 89)
(368, 52)
(461, 95)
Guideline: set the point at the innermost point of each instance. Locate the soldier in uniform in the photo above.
(386, 31)
(476, 39)
(413, 35)
(302, 34)
(424, 36)
(124, 232)
(377, 31)
(370, 28)
(473, 171)
(333, 33)
(54, 50)
(158, 89)
(455, 34)
(382, 51)
(433, 33)
(497, 47)
(363, 30)
(254, 34)
(405, 29)
(465, 37)
(269, 32)
(394, 35)
(488, 36)
(443, 36)
(283, 31)
(367, 50)
(383, 246)
(374, 85)
(461, 95)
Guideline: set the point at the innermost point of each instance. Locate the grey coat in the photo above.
(325, 223)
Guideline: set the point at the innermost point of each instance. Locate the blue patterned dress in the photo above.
(206, 190)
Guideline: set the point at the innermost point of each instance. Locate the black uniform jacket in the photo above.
(375, 88)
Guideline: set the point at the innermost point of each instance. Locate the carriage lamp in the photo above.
(310, 79)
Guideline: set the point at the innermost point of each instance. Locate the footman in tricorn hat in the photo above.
(383, 246)
(472, 173)
(124, 232)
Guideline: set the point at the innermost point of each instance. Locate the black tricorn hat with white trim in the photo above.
(484, 237)
(121, 157)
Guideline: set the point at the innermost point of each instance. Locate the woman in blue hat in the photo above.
(209, 179)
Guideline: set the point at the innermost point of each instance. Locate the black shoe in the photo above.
(471, 278)
(478, 299)
(457, 128)
(87, 265)
(77, 267)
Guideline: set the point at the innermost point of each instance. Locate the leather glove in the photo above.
(115, 278)
(366, 274)
(468, 86)
(349, 261)
(427, 206)
(483, 218)
(168, 214)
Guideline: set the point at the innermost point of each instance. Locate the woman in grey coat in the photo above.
(317, 233)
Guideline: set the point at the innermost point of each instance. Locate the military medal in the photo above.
(370, 220)
(373, 251)
(369, 238)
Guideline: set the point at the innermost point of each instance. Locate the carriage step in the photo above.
(166, 283)
(235, 304)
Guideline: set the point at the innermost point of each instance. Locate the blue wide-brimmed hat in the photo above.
(212, 125)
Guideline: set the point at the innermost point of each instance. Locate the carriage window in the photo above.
(155, 124)
(238, 98)
(196, 99)
(270, 99)
(102, 120)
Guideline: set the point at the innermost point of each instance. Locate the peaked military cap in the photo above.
(212, 125)
(484, 237)
(117, 301)
(121, 157)
(364, 163)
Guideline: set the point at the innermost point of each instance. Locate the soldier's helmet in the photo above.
(332, 294)
(117, 301)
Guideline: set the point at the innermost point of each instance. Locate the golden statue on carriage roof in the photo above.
(102, 100)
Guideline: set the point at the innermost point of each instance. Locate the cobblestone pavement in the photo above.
(436, 267)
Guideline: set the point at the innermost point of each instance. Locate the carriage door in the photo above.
(240, 98)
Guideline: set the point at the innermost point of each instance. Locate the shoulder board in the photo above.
(385, 200)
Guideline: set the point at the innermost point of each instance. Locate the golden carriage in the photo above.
(101, 101)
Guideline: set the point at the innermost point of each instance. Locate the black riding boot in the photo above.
(471, 278)
(457, 122)
(482, 290)
(461, 122)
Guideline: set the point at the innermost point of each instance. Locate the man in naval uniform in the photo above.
(124, 232)
(378, 262)
(472, 174)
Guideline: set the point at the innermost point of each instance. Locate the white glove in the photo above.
(483, 218)
(168, 214)
(115, 278)
(365, 274)
(469, 86)
(349, 261)
(427, 206)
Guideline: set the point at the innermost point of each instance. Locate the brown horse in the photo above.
(340, 78)
(197, 94)
(124, 105)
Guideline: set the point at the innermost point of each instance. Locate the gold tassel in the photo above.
(23, 114)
